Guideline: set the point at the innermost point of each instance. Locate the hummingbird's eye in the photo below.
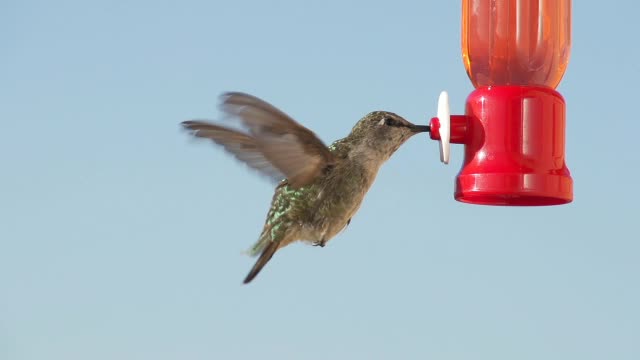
(390, 121)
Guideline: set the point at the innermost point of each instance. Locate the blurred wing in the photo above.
(290, 156)
(240, 145)
(290, 147)
(256, 114)
(273, 127)
(277, 146)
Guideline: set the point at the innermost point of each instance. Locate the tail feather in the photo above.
(260, 245)
(264, 258)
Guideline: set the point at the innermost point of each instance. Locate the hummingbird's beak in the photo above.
(420, 128)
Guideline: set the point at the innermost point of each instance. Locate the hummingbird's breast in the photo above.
(320, 210)
(338, 197)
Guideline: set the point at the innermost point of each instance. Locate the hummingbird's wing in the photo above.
(274, 139)
(242, 146)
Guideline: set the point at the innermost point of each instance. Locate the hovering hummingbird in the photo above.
(319, 188)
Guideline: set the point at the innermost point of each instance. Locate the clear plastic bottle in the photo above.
(516, 42)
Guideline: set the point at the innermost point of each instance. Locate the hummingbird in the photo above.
(319, 188)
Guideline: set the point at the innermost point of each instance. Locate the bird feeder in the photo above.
(513, 130)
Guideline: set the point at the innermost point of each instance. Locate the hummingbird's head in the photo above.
(384, 132)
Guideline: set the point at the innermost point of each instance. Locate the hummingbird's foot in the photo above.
(320, 243)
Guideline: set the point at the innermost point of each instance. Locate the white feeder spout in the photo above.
(444, 118)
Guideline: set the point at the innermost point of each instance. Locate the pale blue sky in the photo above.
(121, 239)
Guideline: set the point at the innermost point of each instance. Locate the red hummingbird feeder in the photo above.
(515, 53)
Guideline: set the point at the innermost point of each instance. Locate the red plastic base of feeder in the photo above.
(514, 140)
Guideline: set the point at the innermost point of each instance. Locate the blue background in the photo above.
(120, 238)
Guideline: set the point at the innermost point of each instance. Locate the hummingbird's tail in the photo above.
(264, 258)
